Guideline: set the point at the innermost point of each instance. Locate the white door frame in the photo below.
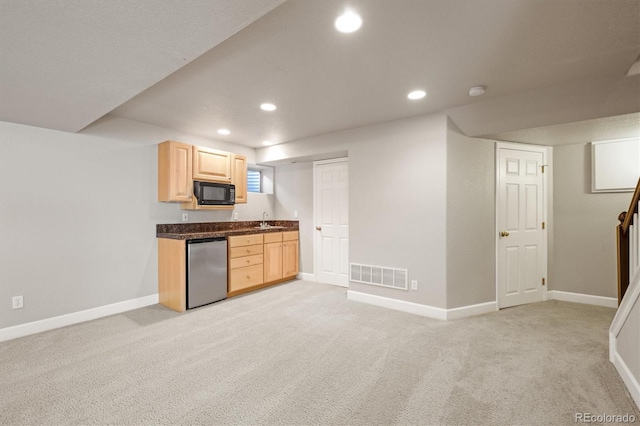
(547, 185)
(315, 203)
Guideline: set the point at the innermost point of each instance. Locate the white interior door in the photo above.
(521, 245)
(331, 210)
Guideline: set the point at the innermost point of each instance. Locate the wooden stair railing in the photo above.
(622, 239)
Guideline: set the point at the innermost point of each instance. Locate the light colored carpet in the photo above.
(301, 354)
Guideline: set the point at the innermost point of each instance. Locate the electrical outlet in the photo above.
(235, 215)
(17, 302)
(295, 214)
(185, 217)
(414, 285)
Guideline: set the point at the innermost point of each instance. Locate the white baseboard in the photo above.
(312, 278)
(630, 298)
(613, 347)
(422, 310)
(306, 276)
(471, 310)
(588, 299)
(34, 327)
(628, 378)
(398, 305)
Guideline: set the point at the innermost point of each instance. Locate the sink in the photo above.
(269, 227)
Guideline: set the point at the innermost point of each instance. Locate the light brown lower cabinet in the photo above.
(245, 262)
(243, 278)
(278, 261)
(254, 261)
(172, 274)
(273, 257)
(290, 259)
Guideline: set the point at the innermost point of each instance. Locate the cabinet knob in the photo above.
(318, 228)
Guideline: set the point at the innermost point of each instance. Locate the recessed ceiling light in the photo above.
(348, 22)
(477, 91)
(268, 107)
(417, 94)
(224, 131)
(267, 143)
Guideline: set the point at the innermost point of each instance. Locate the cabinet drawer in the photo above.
(245, 251)
(241, 262)
(273, 237)
(244, 240)
(245, 277)
(289, 235)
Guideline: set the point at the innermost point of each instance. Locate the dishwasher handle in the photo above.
(206, 240)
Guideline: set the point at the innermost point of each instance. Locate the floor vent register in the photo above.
(379, 275)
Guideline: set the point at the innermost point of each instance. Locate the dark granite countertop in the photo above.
(194, 231)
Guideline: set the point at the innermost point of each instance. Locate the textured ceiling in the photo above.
(544, 62)
(67, 63)
(609, 128)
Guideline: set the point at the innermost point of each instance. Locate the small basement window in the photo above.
(254, 180)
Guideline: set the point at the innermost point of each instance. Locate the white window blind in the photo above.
(253, 180)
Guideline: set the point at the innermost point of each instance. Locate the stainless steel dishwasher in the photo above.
(206, 271)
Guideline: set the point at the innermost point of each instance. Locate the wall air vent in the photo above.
(379, 275)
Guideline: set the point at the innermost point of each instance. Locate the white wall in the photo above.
(471, 272)
(584, 238)
(397, 198)
(78, 214)
(294, 192)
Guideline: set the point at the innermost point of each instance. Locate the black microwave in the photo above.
(214, 194)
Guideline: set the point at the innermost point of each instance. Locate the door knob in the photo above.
(318, 228)
(504, 234)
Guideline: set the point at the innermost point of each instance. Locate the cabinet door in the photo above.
(211, 165)
(272, 262)
(290, 259)
(174, 172)
(239, 177)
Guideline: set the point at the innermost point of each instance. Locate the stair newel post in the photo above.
(622, 241)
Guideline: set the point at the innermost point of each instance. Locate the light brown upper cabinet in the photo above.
(239, 177)
(175, 181)
(179, 164)
(211, 165)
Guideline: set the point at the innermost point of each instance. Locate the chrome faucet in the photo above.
(264, 223)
